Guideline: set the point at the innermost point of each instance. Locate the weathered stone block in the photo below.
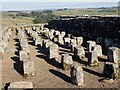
(66, 61)
(20, 85)
(38, 40)
(44, 42)
(93, 58)
(79, 51)
(72, 47)
(23, 43)
(79, 40)
(111, 70)
(53, 51)
(57, 33)
(91, 45)
(33, 28)
(48, 44)
(63, 33)
(26, 49)
(24, 55)
(60, 39)
(51, 34)
(98, 50)
(73, 41)
(73, 44)
(29, 68)
(113, 54)
(34, 35)
(77, 75)
(55, 39)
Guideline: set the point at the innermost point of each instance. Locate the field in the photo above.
(92, 11)
(10, 20)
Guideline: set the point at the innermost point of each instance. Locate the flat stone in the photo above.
(109, 81)
(20, 85)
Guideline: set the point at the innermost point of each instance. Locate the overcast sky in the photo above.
(55, 4)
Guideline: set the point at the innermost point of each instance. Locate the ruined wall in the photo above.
(91, 27)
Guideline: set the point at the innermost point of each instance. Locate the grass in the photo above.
(8, 20)
(87, 11)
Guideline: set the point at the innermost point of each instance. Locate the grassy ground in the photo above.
(9, 20)
(111, 11)
(8, 17)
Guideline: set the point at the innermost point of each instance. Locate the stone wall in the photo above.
(91, 27)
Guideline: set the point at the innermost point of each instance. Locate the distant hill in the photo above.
(69, 12)
(88, 11)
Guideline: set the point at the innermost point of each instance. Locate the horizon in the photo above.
(21, 6)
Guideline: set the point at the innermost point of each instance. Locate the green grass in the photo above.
(9, 18)
(87, 11)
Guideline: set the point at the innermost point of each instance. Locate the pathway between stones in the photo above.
(48, 74)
